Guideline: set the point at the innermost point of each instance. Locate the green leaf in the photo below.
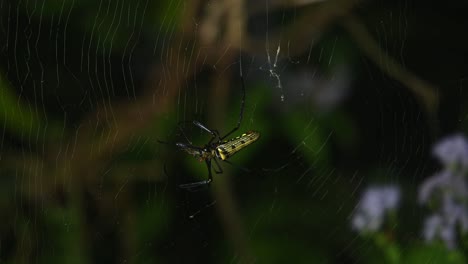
(15, 115)
(62, 236)
(310, 136)
(434, 253)
(21, 119)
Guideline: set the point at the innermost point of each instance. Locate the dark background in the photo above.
(88, 88)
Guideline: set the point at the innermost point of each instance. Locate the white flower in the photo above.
(438, 226)
(446, 181)
(452, 151)
(326, 93)
(449, 191)
(373, 206)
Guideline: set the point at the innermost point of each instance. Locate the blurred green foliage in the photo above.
(79, 185)
(18, 117)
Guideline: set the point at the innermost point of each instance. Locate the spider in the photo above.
(217, 147)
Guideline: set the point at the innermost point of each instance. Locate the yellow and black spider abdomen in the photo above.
(230, 147)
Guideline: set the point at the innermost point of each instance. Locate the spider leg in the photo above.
(218, 167)
(189, 148)
(214, 133)
(241, 115)
(164, 142)
(172, 143)
(193, 185)
(183, 133)
(236, 166)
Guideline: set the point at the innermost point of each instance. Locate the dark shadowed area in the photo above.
(334, 131)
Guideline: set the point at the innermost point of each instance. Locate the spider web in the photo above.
(340, 91)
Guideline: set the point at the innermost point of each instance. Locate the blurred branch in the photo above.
(229, 13)
(233, 12)
(277, 4)
(226, 202)
(312, 21)
(109, 130)
(314, 17)
(421, 89)
(231, 219)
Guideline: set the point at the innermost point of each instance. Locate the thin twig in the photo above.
(420, 88)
